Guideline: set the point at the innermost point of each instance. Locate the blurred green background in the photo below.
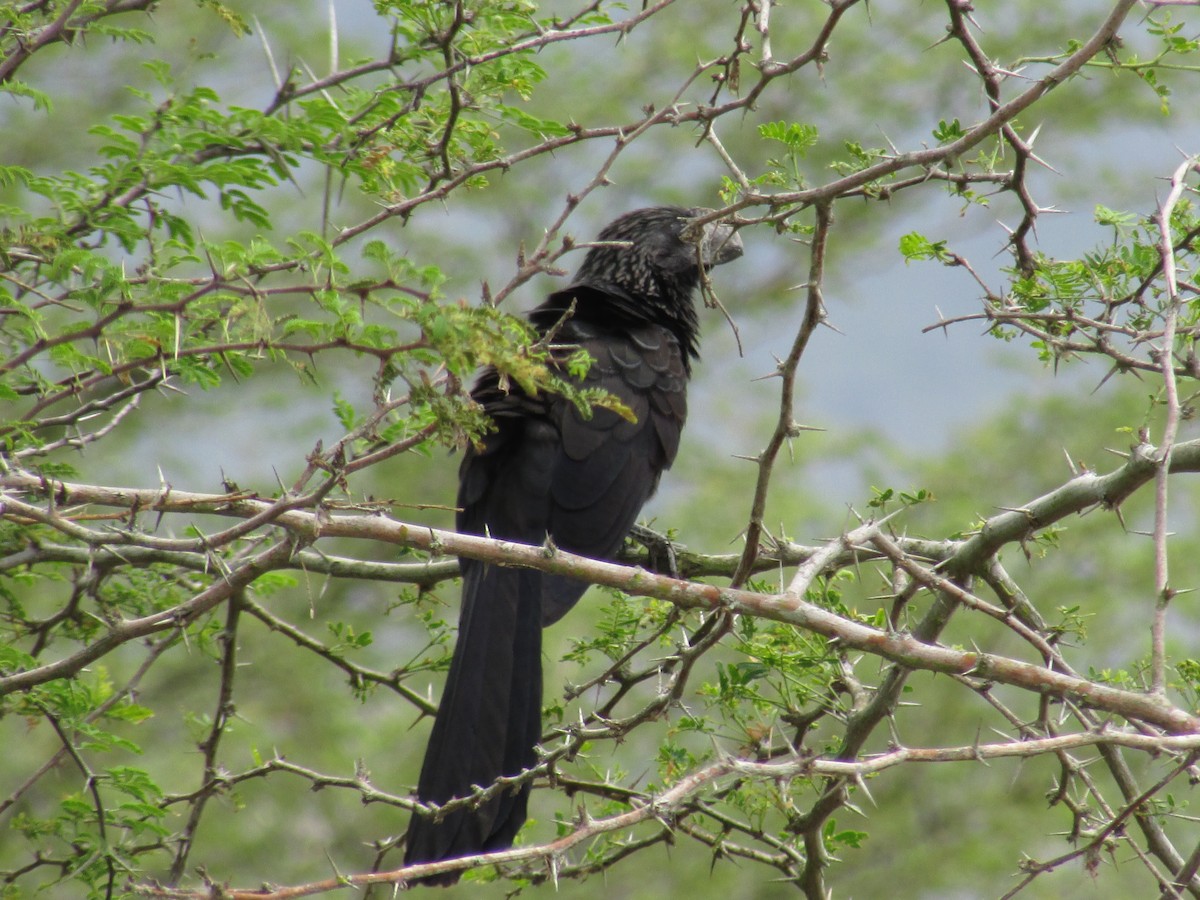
(978, 422)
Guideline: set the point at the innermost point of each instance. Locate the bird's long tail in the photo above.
(489, 720)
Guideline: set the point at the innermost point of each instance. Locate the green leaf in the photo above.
(541, 127)
(798, 137)
(915, 246)
(1114, 218)
(948, 132)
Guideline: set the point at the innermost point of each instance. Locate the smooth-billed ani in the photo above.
(548, 471)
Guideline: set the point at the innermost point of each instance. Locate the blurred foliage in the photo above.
(244, 261)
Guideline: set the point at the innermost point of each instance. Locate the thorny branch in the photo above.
(1078, 495)
(1166, 353)
(786, 427)
(687, 793)
(221, 566)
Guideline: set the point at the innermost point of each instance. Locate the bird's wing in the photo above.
(551, 470)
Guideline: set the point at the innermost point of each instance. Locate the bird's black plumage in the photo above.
(547, 470)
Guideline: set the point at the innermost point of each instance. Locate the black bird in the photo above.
(548, 471)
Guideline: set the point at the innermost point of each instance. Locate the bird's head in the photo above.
(659, 251)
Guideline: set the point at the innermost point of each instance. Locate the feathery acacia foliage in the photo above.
(207, 234)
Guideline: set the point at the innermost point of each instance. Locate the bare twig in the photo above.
(1162, 587)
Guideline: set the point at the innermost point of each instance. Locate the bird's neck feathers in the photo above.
(612, 307)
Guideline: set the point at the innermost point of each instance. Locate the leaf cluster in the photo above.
(206, 245)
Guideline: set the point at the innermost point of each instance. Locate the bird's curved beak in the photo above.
(719, 243)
